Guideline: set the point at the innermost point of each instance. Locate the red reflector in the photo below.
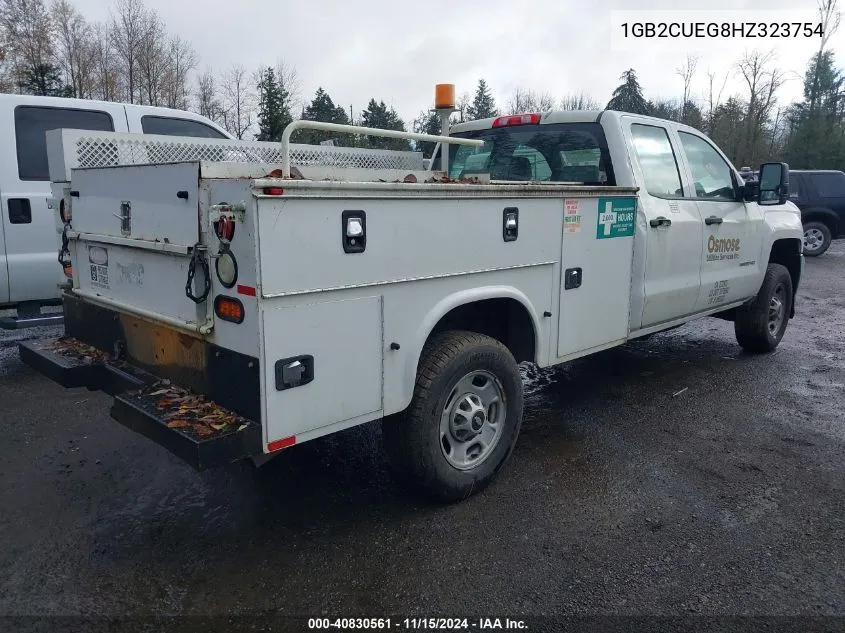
(517, 119)
(280, 444)
(273, 191)
(248, 291)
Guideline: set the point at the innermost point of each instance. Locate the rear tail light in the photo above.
(273, 191)
(517, 119)
(229, 309)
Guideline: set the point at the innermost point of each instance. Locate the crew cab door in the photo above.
(668, 245)
(732, 264)
(29, 222)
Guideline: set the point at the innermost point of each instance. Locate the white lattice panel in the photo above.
(71, 149)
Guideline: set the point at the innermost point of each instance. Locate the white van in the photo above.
(29, 268)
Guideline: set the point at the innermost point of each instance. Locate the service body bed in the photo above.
(354, 319)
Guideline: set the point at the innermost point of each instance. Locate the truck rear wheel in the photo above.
(464, 418)
(817, 238)
(761, 324)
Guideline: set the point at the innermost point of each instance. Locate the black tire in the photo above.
(758, 329)
(821, 237)
(413, 439)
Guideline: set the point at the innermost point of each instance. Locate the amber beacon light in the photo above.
(444, 96)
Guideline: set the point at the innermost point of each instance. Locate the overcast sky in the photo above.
(397, 51)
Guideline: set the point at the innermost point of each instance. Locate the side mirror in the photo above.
(749, 190)
(774, 183)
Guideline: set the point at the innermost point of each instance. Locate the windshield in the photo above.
(559, 152)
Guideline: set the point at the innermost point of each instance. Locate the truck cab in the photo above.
(704, 239)
(29, 270)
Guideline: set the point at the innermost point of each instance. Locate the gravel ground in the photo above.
(672, 477)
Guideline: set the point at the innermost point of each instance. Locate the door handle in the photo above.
(661, 221)
(713, 220)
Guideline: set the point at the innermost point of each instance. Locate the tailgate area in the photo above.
(133, 233)
(192, 405)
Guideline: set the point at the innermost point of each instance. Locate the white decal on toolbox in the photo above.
(132, 273)
(98, 257)
(572, 216)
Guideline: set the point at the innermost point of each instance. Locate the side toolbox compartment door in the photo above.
(595, 288)
(322, 364)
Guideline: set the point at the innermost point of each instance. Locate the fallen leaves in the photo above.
(72, 348)
(191, 412)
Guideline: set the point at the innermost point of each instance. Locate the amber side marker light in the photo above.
(229, 309)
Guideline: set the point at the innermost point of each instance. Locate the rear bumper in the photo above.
(199, 430)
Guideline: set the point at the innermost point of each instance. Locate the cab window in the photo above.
(710, 173)
(178, 127)
(31, 126)
(558, 152)
(657, 161)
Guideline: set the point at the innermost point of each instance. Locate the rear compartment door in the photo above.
(338, 345)
(136, 230)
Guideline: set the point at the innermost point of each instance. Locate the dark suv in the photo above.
(820, 194)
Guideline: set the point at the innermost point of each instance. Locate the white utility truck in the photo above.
(238, 298)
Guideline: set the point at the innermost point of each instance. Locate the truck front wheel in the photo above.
(464, 418)
(761, 324)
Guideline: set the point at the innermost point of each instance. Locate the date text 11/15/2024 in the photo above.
(418, 624)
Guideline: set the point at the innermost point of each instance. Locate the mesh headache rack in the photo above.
(74, 149)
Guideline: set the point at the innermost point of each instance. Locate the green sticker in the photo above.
(616, 217)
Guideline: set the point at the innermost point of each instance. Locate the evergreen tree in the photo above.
(274, 107)
(378, 115)
(628, 97)
(44, 80)
(817, 138)
(483, 106)
(322, 108)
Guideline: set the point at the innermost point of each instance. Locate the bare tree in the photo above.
(462, 106)
(687, 72)
(208, 101)
(104, 67)
(182, 60)
(530, 101)
(291, 82)
(762, 80)
(28, 32)
(713, 101)
(127, 32)
(830, 19)
(74, 47)
(579, 102)
(153, 59)
(238, 101)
